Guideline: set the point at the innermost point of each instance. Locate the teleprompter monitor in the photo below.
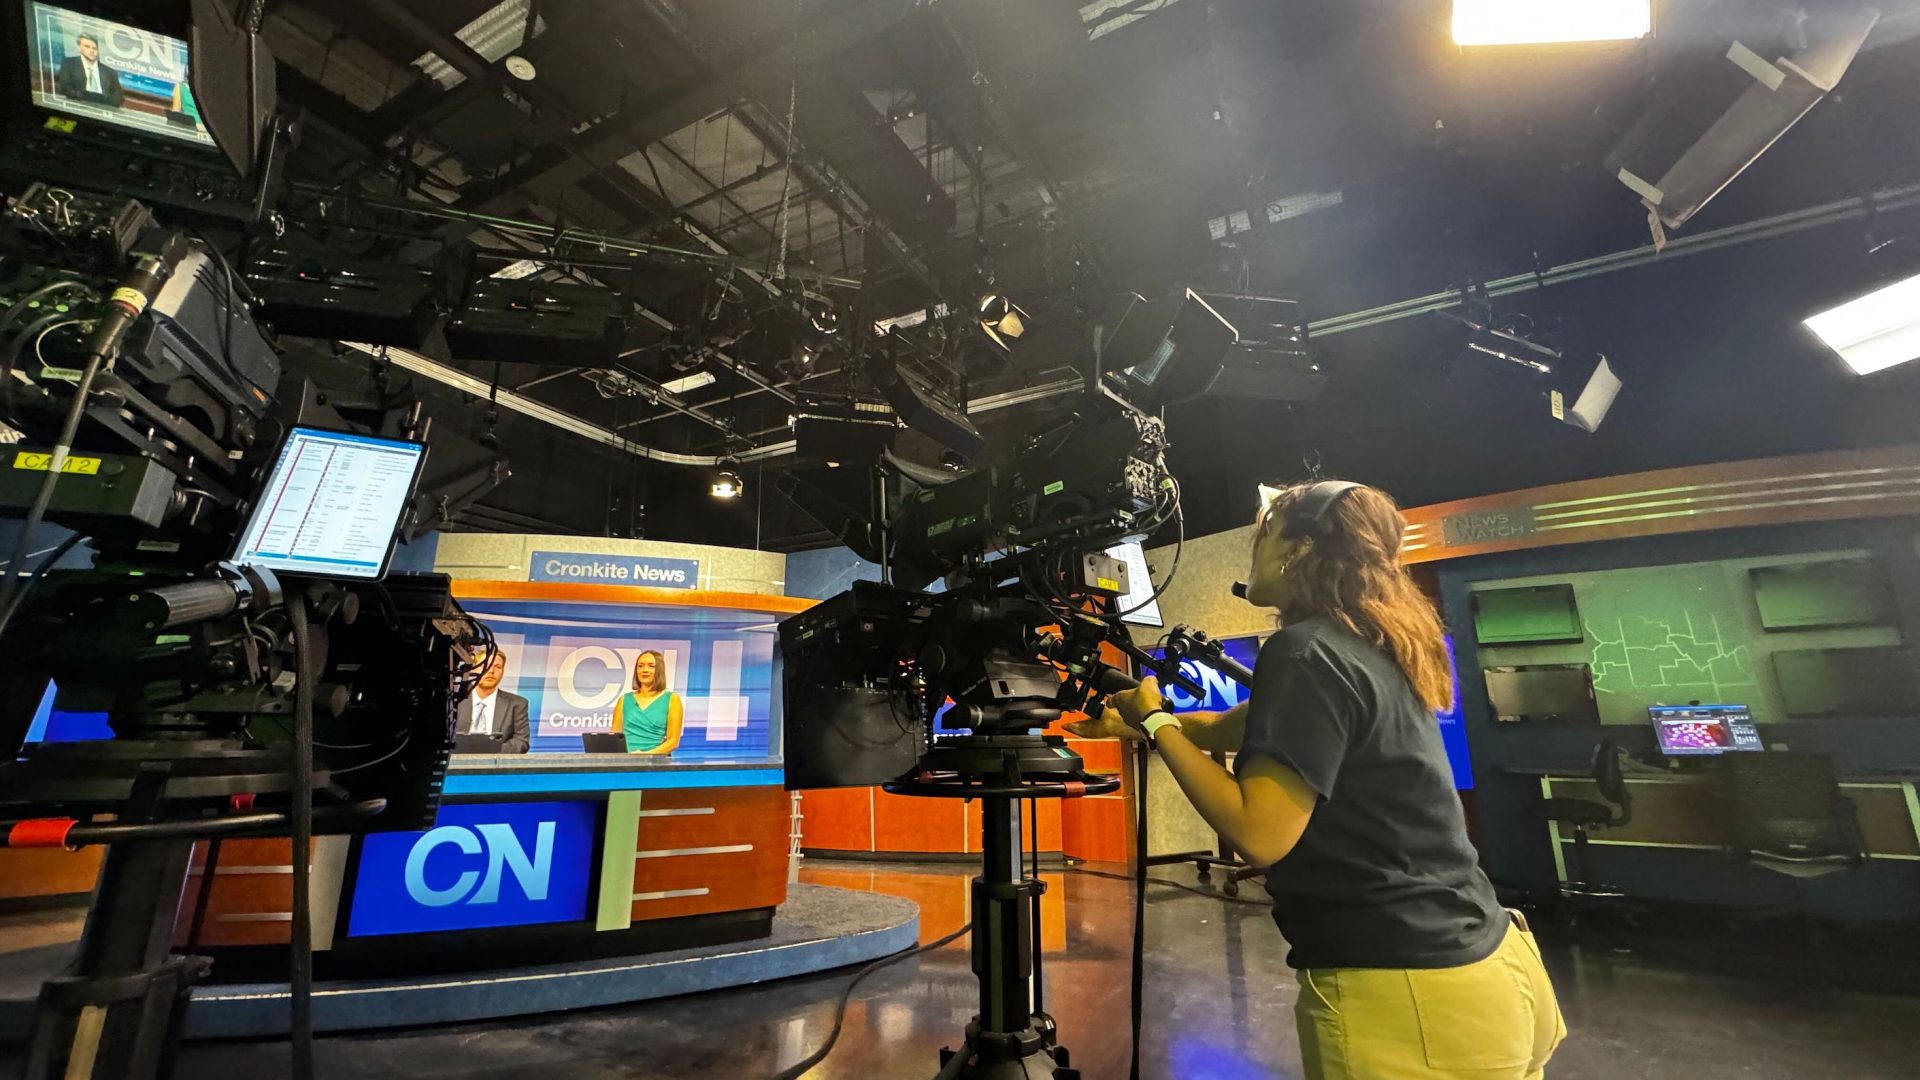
(1704, 730)
(332, 505)
(112, 73)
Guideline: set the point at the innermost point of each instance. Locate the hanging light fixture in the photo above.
(727, 485)
(1002, 319)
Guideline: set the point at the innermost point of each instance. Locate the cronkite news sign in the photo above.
(614, 569)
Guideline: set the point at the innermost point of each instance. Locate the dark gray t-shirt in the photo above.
(1384, 875)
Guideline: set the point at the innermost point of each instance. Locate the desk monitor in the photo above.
(110, 72)
(332, 505)
(1549, 693)
(1697, 730)
(601, 742)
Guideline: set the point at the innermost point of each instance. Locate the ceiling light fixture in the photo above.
(727, 485)
(689, 382)
(1003, 320)
(1876, 331)
(1537, 22)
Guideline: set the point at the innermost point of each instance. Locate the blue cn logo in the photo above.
(1221, 693)
(502, 849)
(481, 865)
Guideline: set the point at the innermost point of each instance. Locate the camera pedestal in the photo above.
(1011, 1038)
(119, 1012)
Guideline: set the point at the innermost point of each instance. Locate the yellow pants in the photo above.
(1496, 1019)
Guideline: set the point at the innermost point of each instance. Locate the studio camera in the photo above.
(946, 691)
(236, 660)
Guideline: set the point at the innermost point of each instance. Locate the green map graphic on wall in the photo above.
(1667, 635)
(1688, 658)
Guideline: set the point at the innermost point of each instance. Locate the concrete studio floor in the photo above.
(1219, 1006)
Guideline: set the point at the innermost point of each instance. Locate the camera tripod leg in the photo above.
(119, 1013)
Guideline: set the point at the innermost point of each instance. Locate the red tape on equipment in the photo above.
(1076, 787)
(41, 832)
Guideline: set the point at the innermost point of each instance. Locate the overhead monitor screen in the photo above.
(97, 69)
(1139, 602)
(332, 505)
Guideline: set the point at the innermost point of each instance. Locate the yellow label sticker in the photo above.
(131, 297)
(42, 460)
(1108, 584)
(1559, 403)
(61, 124)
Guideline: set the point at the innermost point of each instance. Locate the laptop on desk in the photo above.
(1690, 731)
(476, 744)
(603, 743)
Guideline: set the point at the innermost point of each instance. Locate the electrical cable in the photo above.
(1172, 884)
(13, 310)
(209, 866)
(33, 579)
(300, 982)
(61, 447)
(1138, 988)
(1179, 545)
(799, 1068)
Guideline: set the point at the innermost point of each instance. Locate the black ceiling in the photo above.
(932, 145)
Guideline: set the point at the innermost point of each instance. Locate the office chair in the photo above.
(1789, 817)
(1586, 815)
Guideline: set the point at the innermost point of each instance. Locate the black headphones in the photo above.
(1307, 517)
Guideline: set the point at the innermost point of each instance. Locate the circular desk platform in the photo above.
(818, 928)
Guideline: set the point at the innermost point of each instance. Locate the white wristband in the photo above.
(1158, 722)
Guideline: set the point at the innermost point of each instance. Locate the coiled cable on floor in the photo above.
(799, 1068)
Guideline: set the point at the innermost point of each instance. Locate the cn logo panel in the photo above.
(503, 864)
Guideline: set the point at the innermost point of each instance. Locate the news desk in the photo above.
(1683, 811)
(533, 857)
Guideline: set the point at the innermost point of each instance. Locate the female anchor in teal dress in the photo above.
(650, 715)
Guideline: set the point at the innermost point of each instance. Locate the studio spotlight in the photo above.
(1876, 331)
(727, 485)
(1540, 22)
(1485, 340)
(1002, 319)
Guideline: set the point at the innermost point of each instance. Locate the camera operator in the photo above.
(1407, 964)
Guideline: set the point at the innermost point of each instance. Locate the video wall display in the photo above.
(1847, 682)
(97, 69)
(1834, 592)
(1534, 614)
(695, 683)
(1798, 636)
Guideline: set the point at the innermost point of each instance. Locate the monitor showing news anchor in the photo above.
(98, 69)
(686, 684)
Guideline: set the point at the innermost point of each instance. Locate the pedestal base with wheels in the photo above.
(1012, 1037)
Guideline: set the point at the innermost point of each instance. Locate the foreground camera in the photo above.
(946, 694)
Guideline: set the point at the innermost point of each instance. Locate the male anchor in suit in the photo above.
(85, 78)
(493, 711)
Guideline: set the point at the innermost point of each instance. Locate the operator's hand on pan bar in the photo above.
(1123, 714)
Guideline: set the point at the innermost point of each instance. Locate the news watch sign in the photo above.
(481, 865)
(614, 569)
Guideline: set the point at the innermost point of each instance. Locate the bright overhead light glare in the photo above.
(726, 485)
(1877, 331)
(1546, 22)
(689, 382)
